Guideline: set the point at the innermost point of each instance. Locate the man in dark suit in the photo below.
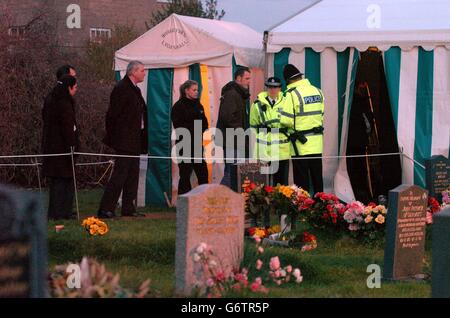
(126, 133)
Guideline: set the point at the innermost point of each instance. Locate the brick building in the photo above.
(75, 22)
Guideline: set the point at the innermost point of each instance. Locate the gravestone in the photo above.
(436, 176)
(405, 232)
(252, 171)
(440, 277)
(23, 247)
(211, 214)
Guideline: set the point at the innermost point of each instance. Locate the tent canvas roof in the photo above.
(179, 41)
(363, 23)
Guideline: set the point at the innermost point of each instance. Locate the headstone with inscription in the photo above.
(254, 172)
(405, 232)
(23, 247)
(436, 176)
(211, 214)
(440, 277)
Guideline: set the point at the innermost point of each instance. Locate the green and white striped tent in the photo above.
(177, 49)
(324, 41)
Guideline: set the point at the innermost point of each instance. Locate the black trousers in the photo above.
(125, 179)
(201, 171)
(304, 168)
(281, 175)
(61, 193)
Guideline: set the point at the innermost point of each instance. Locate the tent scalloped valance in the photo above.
(361, 47)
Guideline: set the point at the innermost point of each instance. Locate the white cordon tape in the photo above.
(189, 158)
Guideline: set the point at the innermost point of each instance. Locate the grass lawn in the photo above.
(144, 248)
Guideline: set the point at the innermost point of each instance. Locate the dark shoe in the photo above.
(105, 214)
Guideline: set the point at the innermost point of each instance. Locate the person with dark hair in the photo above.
(234, 114)
(302, 114)
(126, 133)
(186, 113)
(60, 134)
(65, 70)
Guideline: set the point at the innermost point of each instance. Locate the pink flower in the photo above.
(277, 273)
(236, 286)
(254, 287)
(353, 227)
(220, 276)
(349, 216)
(260, 250)
(244, 271)
(239, 277)
(258, 280)
(289, 268)
(356, 207)
(274, 263)
(210, 282)
(257, 239)
(259, 264)
(278, 282)
(296, 273)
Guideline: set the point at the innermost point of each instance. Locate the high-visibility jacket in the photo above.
(271, 144)
(303, 114)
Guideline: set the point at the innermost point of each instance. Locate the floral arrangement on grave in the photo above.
(246, 281)
(284, 202)
(367, 223)
(326, 212)
(96, 282)
(305, 241)
(432, 208)
(263, 232)
(257, 202)
(95, 226)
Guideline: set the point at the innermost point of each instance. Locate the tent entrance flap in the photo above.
(372, 131)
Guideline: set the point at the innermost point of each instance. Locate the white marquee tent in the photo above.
(325, 39)
(177, 49)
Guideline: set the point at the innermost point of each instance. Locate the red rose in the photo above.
(268, 189)
(329, 208)
(372, 204)
(325, 216)
(334, 198)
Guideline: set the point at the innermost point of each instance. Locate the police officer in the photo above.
(271, 144)
(303, 115)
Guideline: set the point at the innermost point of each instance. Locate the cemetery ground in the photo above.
(144, 248)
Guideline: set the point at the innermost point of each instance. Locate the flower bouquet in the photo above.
(284, 202)
(257, 202)
(94, 226)
(326, 212)
(433, 208)
(368, 225)
(305, 241)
